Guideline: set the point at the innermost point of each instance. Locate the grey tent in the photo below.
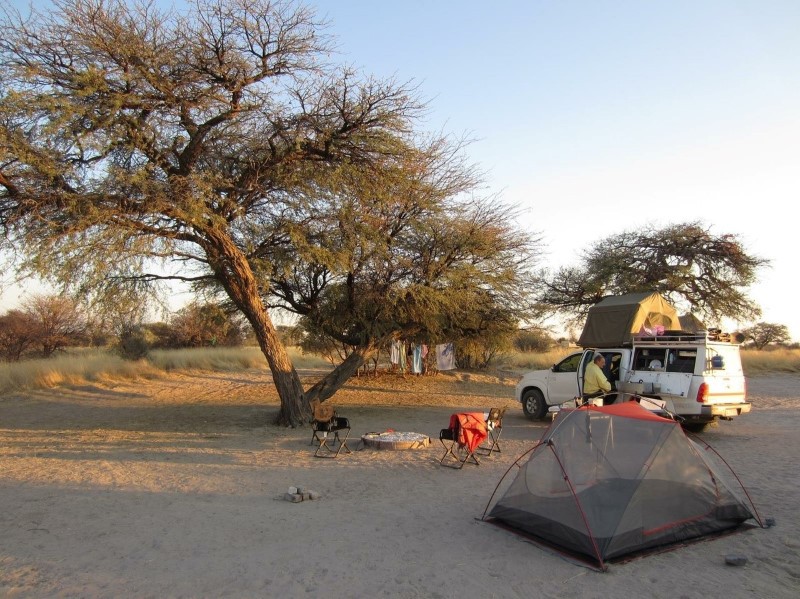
(610, 481)
(614, 320)
(691, 324)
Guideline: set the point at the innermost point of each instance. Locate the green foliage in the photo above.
(766, 333)
(533, 340)
(133, 343)
(696, 270)
(193, 146)
(219, 147)
(422, 267)
(199, 325)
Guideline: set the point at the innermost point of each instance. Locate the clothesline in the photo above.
(411, 356)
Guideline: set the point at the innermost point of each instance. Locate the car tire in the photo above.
(696, 427)
(533, 404)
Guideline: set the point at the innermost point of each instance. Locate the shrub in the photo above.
(132, 344)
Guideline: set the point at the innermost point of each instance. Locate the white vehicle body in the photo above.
(695, 378)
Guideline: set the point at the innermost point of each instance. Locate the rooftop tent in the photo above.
(606, 482)
(615, 319)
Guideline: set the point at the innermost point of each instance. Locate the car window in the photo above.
(650, 358)
(611, 369)
(681, 360)
(569, 364)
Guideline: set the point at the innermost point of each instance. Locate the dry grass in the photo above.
(70, 370)
(524, 361)
(80, 367)
(777, 360)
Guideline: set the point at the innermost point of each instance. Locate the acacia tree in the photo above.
(132, 138)
(699, 271)
(765, 333)
(405, 255)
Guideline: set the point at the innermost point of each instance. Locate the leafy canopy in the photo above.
(695, 269)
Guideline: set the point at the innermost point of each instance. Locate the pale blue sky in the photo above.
(601, 116)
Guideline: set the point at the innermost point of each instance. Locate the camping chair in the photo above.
(465, 433)
(494, 426)
(326, 421)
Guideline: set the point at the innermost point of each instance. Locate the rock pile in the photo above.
(298, 494)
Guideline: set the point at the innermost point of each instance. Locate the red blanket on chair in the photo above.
(471, 429)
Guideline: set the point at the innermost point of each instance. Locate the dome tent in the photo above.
(607, 482)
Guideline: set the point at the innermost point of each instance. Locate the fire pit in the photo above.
(396, 440)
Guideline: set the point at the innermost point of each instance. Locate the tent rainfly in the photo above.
(614, 320)
(612, 481)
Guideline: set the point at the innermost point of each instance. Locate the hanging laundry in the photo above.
(403, 358)
(394, 352)
(445, 356)
(416, 359)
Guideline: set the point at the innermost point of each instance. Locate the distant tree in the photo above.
(204, 325)
(138, 146)
(766, 333)
(18, 333)
(533, 340)
(60, 322)
(696, 270)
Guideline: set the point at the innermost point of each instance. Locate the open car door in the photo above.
(587, 356)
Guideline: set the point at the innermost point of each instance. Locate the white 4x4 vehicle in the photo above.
(697, 379)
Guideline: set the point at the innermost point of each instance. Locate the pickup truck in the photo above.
(695, 378)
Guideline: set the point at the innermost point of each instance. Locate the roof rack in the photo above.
(681, 336)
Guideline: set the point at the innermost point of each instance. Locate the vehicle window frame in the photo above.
(575, 358)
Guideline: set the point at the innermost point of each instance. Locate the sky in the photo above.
(595, 117)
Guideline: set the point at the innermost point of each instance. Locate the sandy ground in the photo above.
(173, 488)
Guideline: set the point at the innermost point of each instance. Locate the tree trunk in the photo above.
(234, 272)
(333, 381)
(295, 410)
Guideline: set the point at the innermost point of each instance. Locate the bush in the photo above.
(200, 325)
(132, 344)
(534, 340)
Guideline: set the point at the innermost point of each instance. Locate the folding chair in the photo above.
(326, 421)
(453, 438)
(494, 426)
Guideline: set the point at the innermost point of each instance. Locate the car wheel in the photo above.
(696, 427)
(533, 404)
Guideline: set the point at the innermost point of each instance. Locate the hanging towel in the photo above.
(416, 360)
(445, 357)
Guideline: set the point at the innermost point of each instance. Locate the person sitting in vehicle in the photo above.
(595, 382)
